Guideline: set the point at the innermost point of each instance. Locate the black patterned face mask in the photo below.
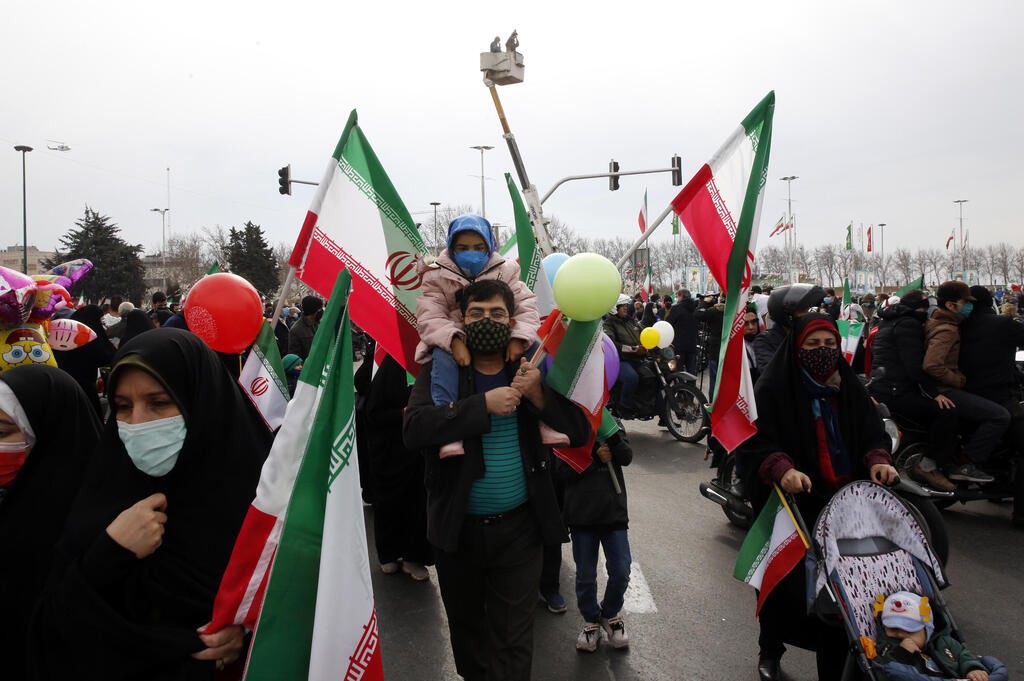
(487, 337)
(819, 362)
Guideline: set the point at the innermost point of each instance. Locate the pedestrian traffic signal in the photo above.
(613, 181)
(677, 171)
(284, 178)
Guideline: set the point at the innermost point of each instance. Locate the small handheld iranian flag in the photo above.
(721, 209)
(358, 222)
(915, 284)
(263, 378)
(850, 327)
(773, 546)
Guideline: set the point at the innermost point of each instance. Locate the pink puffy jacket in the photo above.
(438, 313)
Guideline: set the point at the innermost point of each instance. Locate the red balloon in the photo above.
(225, 311)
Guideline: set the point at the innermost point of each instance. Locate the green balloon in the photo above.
(586, 286)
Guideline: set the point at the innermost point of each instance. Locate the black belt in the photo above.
(496, 518)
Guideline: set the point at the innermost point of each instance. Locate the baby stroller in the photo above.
(867, 542)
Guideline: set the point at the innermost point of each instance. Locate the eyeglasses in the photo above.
(476, 314)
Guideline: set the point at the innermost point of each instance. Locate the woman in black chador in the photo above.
(149, 536)
(817, 430)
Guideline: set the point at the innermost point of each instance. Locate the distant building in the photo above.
(11, 258)
(153, 272)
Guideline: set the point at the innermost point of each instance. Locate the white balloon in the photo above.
(666, 332)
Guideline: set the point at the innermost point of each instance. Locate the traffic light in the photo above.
(677, 171)
(284, 178)
(613, 181)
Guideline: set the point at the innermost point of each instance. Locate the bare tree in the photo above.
(1018, 264)
(903, 263)
(216, 240)
(186, 258)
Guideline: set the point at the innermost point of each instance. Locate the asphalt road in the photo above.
(693, 620)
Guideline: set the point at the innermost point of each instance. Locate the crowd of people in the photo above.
(117, 526)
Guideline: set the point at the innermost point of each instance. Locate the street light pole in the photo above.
(483, 206)
(881, 244)
(163, 245)
(435, 204)
(791, 242)
(24, 209)
(963, 252)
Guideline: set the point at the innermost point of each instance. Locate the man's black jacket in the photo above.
(685, 327)
(988, 345)
(448, 481)
(898, 347)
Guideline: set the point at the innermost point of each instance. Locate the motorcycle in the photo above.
(667, 394)
(726, 490)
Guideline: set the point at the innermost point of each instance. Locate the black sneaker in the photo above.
(555, 602)
(970, 473)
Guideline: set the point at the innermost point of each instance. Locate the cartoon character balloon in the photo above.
(24, 345)
(17, 296)
(68, 273)
(50, 297)
(68, 334)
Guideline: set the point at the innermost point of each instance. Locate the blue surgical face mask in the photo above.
(827, 300)
(154, 446)
(471, 262)
(965, 310)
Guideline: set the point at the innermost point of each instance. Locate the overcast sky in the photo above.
(887, 111)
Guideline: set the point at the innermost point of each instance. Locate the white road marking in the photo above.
(638, 598)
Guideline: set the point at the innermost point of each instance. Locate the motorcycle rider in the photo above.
(784, 305)
(624, 330)
(987, 357)
(941, 361)
(898, 349)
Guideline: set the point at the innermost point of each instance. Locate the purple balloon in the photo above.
(611, 361)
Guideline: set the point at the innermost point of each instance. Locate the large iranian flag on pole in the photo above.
(721, 209)
(299, 573)
(531, 272)
(357, 221)
(774, 545)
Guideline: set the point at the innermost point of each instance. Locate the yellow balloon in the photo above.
(649, 338)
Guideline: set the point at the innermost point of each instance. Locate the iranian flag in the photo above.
(850, 328)
(577, 372)
(263, 378)
(531, 272)
(645, 291)
(780, 226)
(849, 236)
(642, 219)
(721, 208)
(869, 237)
(773, 546)
(915, 284)
(299, 571)
(358, 222)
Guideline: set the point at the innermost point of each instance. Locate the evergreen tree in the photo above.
(250, 256)
(117, 267)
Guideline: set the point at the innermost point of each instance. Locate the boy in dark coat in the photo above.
(595, 512)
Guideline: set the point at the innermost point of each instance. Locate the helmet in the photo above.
(622, 300)
(785, 301)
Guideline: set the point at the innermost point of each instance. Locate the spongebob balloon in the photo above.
(24, 345)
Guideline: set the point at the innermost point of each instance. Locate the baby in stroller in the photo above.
(869, 542)
(910, 647)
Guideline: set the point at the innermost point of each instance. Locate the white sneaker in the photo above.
(415, 570)
(389, 568)
(616, 630)
(588, 639)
